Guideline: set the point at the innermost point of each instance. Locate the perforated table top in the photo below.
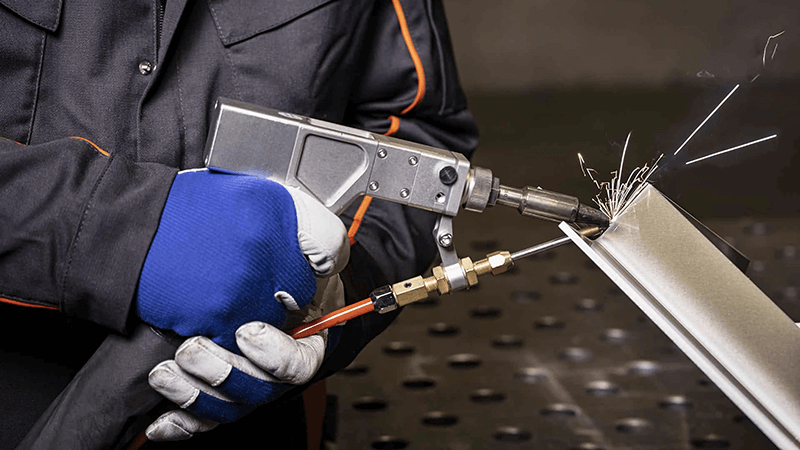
(549, 356)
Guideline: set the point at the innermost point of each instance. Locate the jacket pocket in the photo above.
(23, 31)
(238, 20)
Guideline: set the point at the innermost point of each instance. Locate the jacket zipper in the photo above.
(160, 4)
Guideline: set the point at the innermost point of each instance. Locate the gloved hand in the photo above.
(215, 385)
(232, 249)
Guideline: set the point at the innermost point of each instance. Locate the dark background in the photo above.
(548, 79)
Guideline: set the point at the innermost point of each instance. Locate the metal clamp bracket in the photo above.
(443, 234)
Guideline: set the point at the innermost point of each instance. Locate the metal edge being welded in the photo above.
(730, 329)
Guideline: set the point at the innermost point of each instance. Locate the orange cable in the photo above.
(401, 18)
(334, 318)
(138, 441)
(362, 210)
(393, 126)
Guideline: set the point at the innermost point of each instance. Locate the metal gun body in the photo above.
(335, 164)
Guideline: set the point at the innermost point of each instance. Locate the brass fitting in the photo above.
(418, 288)
(469, 271)
(439, 281)
(411, 290)
(496, 263)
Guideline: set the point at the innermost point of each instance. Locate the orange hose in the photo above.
(362, 210)
(334, 318)
(138, 441)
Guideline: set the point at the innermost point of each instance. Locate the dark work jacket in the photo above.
(103, 102)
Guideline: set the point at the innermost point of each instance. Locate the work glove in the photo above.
(232, 249)
(216, 385)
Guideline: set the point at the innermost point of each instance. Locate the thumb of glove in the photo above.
(321, 235)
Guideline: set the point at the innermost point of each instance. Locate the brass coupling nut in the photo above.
(494, 263)
(469, 271)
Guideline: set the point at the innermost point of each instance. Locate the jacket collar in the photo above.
(44, 13)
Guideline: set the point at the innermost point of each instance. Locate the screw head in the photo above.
(413, 160)
(448, 175)
(404, 193)
(373, 186)
(440, 197)
(382, 153)
(446, 240)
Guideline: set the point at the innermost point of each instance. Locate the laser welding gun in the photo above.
(337, 164)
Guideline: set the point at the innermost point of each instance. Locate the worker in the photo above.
(108, 218)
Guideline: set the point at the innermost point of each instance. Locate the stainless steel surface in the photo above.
(720, 319)
(336, 164)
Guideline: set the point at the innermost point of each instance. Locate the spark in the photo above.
(708, 117)
(639, 183)
(615, 195)
(583, 164)
(764, 56)
(732, 149)
(621, 162)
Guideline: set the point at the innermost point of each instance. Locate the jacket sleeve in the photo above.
(408, 88)
(76, 225)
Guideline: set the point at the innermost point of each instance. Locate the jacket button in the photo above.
(145, 67)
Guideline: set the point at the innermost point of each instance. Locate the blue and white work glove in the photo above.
(235, 251)
(209, 381)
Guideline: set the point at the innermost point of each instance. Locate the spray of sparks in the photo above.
(615, 195)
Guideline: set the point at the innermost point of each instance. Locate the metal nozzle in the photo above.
(593, 216)
(549, 205)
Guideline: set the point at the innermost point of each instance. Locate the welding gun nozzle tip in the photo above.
(589, 215)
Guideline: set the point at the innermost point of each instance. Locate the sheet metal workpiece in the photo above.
(725, 324)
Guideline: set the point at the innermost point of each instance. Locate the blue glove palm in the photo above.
(225, 246)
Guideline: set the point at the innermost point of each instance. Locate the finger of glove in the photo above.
(231, 374)
(293, 361)
(177, 425)
(194, 395)
(321, 235)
